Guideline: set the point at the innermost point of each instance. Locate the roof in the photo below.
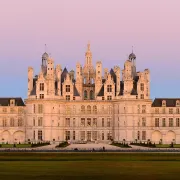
(64, 74)
(76, 93)
(6, 101)
(101, 92)
(170, 102)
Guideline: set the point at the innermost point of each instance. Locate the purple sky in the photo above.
(112, 27)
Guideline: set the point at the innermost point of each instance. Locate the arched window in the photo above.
(95, 109)
(85, 94)
(91, 94)
(89, 109)
(82, 109)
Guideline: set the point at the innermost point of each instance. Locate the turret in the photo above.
(98, 81)
(30, 80)
(117, 72)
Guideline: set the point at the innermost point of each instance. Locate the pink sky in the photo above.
(112, 26)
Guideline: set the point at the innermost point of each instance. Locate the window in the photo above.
(40, 119)
(109, 88)
(11, 110)
(157, 110)
(109, 136)
(91, 95)
(67, 88)
(74, 122)
(170, 122)
(67, 97)
(74, 135)
(103, 98)
(170, 110)
(74, 98)
(83, 109)
(68, 110)
(85, 94)
(138, 135)
(94, 121)
(67, 135)
(89, 109)
(4, 109)
(82, 121)
(156, 122)
(41, 87)
(95, 109)
(40, 135)
(108, 122)
(67, 123)
(20, 122)
(142, 87)
(177, 110)
(143, 108)
(34, 108)
(142, 96)
(12, 122)
(34, 135)
(94, 135)
(41, 96)
(163, 122)
(82, 135)
(163, 110)
(143, 135)
(34, 121)
(102, 122)
(102, 135)
(109, 98)
(88, 121)
(40, 108)
(143, 121)
(177, 122)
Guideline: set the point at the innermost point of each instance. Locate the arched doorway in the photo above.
(19, 136)
(156, 136)
(6, 137)
(170, 137)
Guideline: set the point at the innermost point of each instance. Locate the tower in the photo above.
(45, 57)
(30, 80)
(117, 72)
(132, 58)
(98, 80)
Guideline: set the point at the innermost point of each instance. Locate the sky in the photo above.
(152, 27)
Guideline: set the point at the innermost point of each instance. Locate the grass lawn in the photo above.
(89, 166)
(167, 145)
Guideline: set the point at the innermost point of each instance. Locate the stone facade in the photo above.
(90, 104)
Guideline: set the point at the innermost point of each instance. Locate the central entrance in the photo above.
(88, 135)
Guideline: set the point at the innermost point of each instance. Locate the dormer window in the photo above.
(12, 102)
(177, 103)
(163, 103)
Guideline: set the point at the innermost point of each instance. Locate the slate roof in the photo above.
(170, 102)
(6, 101)
(76, 93)
(64, 74)
(101, 92)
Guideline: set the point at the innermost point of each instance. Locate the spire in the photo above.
(88, 46)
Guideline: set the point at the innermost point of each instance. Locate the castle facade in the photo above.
(90, 104)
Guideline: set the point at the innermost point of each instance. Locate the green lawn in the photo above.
(89, 166)
(167, 145)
